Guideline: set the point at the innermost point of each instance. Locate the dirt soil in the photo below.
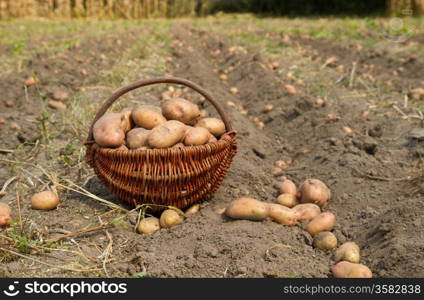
(375, 172)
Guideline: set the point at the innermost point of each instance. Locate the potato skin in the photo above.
(282, 214)
(214, 125)
(323, 222)
(307, 211)
(167, 134)
(325, 241)
(288, 200)
(287, 187)
(315, 191)
(349, 251)
(127, 122)
(212, 139)
(345, 269)
(181, 110)
(137, 138)
(196, 136)
(147, 116)
(148, 225)
(170, 218)
(107, 131)
(247, 209)
(4, 214)
(46, 200)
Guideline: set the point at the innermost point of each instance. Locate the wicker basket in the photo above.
(176, 176)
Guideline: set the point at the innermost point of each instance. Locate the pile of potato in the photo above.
(177, 123)
(293, 206)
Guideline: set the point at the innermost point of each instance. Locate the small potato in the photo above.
(212, 139)
(46, 200)
(196, 136)
(127, 122)
(170, 218)
(107, 131)
(282, 214)
(307, 211)
(148, 116)
(122, 147)
(347, 269)
(323, 222)
(287, 200)
(181, 110)
(287, 187)
(194, 209)
(325, 241)
(315, 191)
(4, 214)
(148, 225)
(247, 209)
(214, 125)
(349, 251)
(178, 145)
(137, 138)
(167, 134)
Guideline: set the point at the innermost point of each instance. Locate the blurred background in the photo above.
(178, 8)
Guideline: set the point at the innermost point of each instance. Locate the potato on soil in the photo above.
(148, 225)
(349, 251)
(345, 269)
(288, 200)
(4, 214)
(307, 211)
(247, 209)
(214, 125)
(315, 191)
(325, 241)
(137, 138)
(170, 218)
(196, 136)
(181, 110)
(167, 134)
(107, 131)
(287, 187)
(282, 214)
(46, 200)
(323, 222)
(147, 116)
(194, 209)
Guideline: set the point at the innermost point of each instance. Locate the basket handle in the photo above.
(142, 83)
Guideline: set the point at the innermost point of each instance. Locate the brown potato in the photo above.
(178, 145)
(315, 191)
(323, 222)
(148, 116)
(349, 251)
(127, 122)
(214, 125)
(212, 139)
(194, 209)
(4, 214)
(196, 136)
(170, 218)
(107, 131)
(288, 200)
(287, 187)
(181, 110)
(167, 134)
(282, 214)
(307, 211)
(137, 138)
(347, 269)
(325, 241)
(122, 147)
(46, 200)
(247, 209)
(148, 225)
